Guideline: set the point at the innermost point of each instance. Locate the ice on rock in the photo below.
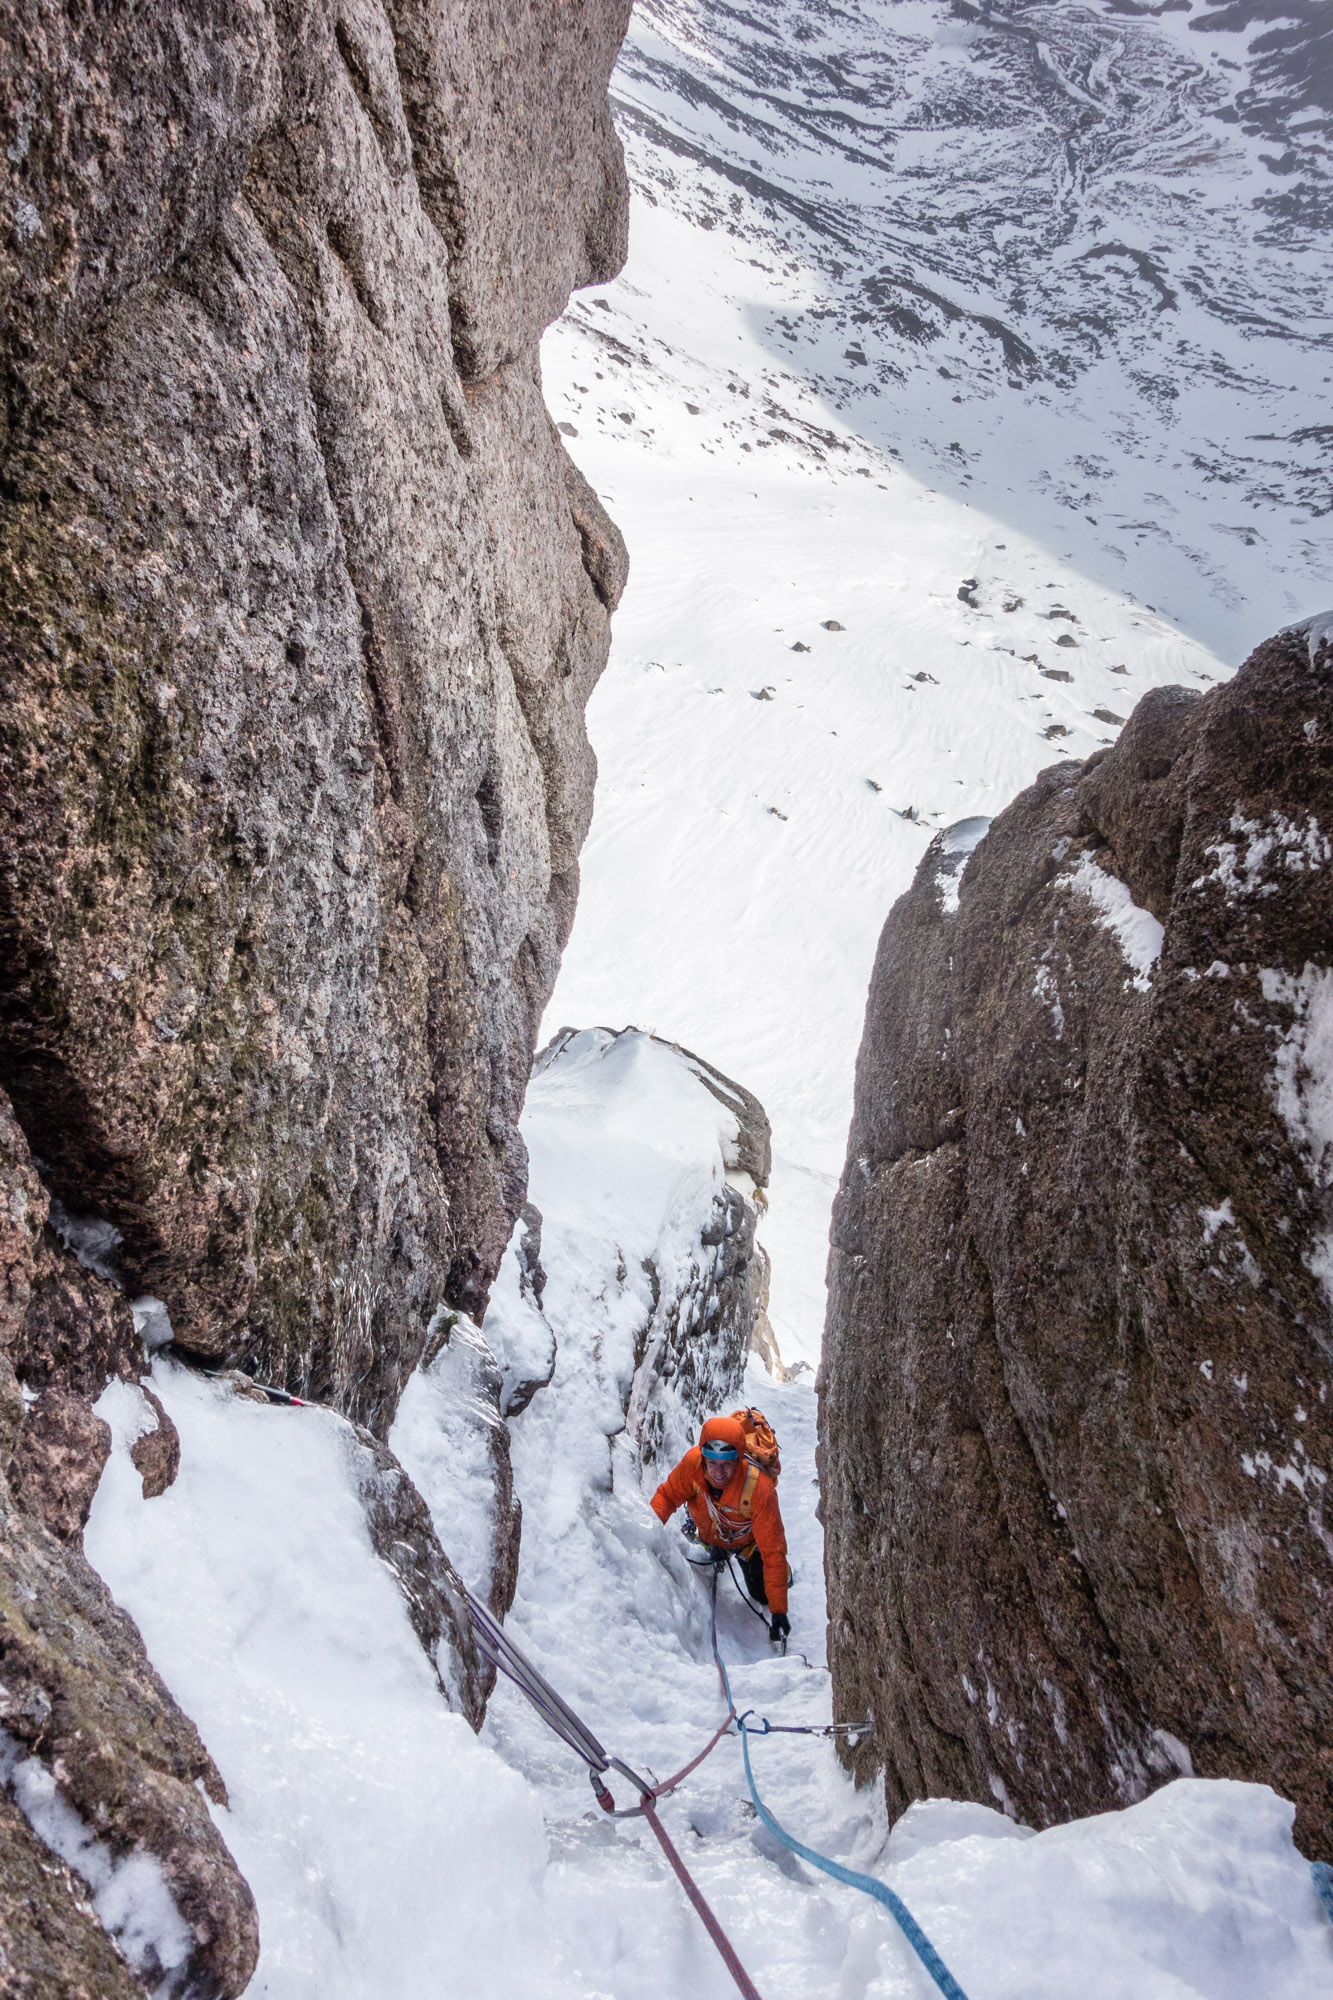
(517, 1329)
(1316, 631)
(450, 1438)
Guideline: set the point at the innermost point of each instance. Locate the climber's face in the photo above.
(717, 1471)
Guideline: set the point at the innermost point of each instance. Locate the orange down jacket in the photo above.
(719, 1516)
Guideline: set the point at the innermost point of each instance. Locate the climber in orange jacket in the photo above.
(735, 1508)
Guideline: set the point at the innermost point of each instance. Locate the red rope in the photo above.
(670, 1784)
(710, 1923)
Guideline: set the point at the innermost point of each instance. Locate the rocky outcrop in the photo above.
(690, 1356)
(156, 1454)
(98, 1766)
(1076, 1422)
(58, 1461)
(51, 1944)
(302, 603)
(403, 1536)
(104, 1770)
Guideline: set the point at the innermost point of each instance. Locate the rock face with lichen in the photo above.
(1076, 1420)
(302, 603)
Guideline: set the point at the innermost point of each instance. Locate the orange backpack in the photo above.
(761, 1448)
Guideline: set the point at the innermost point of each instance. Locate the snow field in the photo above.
(760, 808)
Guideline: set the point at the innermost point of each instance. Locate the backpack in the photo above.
(761, 1441)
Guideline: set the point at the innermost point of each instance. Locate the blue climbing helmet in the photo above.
(719, 1453)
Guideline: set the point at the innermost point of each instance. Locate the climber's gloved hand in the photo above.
(781, 1626)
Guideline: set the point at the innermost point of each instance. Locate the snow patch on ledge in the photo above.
(1284, 842)
(1315, 631)
(1137, 930)
(956, 846)
(130, 1896)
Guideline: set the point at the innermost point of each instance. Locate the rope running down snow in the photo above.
(897, 1909)
(500, 1649)
(504, 1655)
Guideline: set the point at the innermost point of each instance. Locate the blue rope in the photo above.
(1323, 1882)
(896, 1907)
(903, 1917)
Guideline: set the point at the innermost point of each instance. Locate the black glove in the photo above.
(781, 1626)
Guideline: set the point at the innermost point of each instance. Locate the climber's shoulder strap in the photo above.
(747, 1491)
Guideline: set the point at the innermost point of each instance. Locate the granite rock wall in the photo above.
(299, 627)
(1077, 1396)
(301, 603)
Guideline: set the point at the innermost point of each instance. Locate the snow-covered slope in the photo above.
(392, 1853)
(1072, 260)
(791, 434)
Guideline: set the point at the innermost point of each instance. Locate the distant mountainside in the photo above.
(1077, 254)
